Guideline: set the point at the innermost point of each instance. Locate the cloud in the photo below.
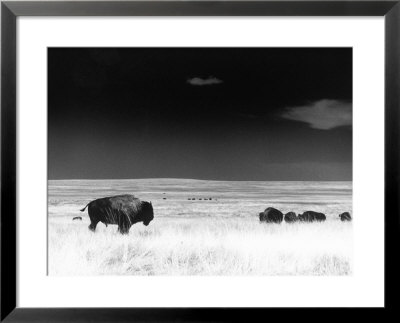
(198, 81)
(323, 114)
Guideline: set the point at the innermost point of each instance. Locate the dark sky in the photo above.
(203, 113)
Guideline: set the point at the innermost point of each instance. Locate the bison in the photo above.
(123, 210)
(311, 216)
(77, 218)
(290, 217)
(271, 215)
(345, 216)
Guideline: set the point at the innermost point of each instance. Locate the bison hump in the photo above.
(125, 203)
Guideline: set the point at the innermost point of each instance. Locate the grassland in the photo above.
(221, 236)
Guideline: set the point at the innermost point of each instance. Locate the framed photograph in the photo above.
(198, 161)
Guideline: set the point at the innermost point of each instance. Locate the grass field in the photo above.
(221, 236)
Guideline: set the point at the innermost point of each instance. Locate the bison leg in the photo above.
(94, 218)
(93, 223)
(123, 228)
(92, 226)
(123, 224)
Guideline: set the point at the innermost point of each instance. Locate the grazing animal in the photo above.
(271, 215)
(290, 217)
(311, 216)
(345, 216)
(122, 210)
(77, 218)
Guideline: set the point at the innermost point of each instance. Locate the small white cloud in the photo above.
(198, 81)
(323, 114)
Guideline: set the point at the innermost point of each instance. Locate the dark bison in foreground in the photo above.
(123, 210)
(345, 216)
(271, 215)
(311, 216)
(290, 217)
(77, 218)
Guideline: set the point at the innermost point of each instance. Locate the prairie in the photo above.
(221, 236)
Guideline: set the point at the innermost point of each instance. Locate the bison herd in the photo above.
(272, 215)
(126, 210)
(200, 199)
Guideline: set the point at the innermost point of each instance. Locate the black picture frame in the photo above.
(11, 10)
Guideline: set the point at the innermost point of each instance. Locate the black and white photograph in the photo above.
(197, 161)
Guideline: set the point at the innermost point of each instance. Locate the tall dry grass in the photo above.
(202, 246)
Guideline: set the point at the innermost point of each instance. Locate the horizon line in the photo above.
(192, 179)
